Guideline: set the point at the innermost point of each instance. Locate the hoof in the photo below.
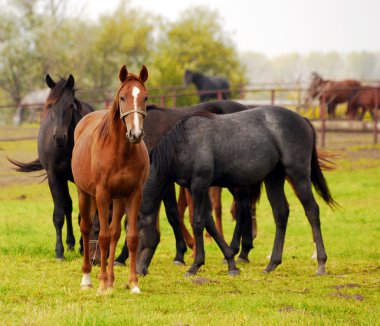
(102, 291)
(188, 274)
(119, 263)
(178, 263)
(242, 260)
(135, 290)
(321, 270)
(70, 248)
(234, 272)
(86, 286)
(60, 259)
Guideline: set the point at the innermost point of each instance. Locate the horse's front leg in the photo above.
(60, 194)
(84, 202)
(102, 203)
(119, 206)
(173, 218)
(202, 207)
(133, 207)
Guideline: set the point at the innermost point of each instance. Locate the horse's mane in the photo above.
(55, 94)
(162, 155)
(111, 120)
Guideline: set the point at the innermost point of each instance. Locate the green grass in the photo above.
(35, 289)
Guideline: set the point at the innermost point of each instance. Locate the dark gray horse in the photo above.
(55, 144)
(242, 149)
(204, 83)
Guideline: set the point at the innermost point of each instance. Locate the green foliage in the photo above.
(198, 42)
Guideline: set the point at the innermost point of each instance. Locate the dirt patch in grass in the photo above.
(357, 297)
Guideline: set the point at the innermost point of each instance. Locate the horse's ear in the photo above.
(144, 74)
(70, 82)
(49, 81)
(123, 74)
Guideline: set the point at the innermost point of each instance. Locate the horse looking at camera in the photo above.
(215, 86)
(269, 144)
(110, 164)
(331, 92)
(62, 112)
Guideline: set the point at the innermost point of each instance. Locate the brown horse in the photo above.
(331, 92)
(367, 98)
(110, 163)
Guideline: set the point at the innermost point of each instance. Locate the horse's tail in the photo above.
(27, 167)
(321, 160)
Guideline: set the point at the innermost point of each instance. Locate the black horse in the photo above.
(243, 149)
(62, 113)
(158, 122)
(204, 83)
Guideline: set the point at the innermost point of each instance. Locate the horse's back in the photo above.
(250, 142)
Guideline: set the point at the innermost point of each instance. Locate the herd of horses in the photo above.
(214, 144)
(359, 98)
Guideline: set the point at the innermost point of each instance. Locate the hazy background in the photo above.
(272, 41)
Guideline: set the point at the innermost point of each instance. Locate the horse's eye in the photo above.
(122, 98)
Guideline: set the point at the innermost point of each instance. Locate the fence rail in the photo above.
(292, 97)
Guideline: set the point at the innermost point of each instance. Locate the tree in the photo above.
(198, 42)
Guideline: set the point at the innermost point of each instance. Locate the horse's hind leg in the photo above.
(85, 202)
(274, 184)
(68, 207)
(115, 230)
(304, 192)
(182, 204)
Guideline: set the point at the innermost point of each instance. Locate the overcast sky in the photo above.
(275, 27)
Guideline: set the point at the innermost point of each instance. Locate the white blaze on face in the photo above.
(135, 93)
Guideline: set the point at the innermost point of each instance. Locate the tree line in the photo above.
(39, 37)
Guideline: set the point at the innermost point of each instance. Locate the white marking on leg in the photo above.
(135, 290)
(314, 256)
(86, 281)
(135, 93)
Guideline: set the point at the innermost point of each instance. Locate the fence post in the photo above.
(323, 121)
(174, 97)
(241, 91)
(272, 96)
(220, 96)
(162, 100)
(375, 115)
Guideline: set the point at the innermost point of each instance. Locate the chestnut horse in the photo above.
(110, 163)
(331, 92)
(367, 98)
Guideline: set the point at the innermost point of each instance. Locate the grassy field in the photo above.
(35, 289)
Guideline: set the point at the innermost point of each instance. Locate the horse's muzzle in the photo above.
(135, 137)
(60, 140)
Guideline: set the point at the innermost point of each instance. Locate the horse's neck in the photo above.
(198, 80)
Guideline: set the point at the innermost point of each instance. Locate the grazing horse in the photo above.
(242, 149)
(367, 98)
(204, 83)
(62, 112)
(158, 122)
(331, 92)
(32, 102)
(111, 164)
